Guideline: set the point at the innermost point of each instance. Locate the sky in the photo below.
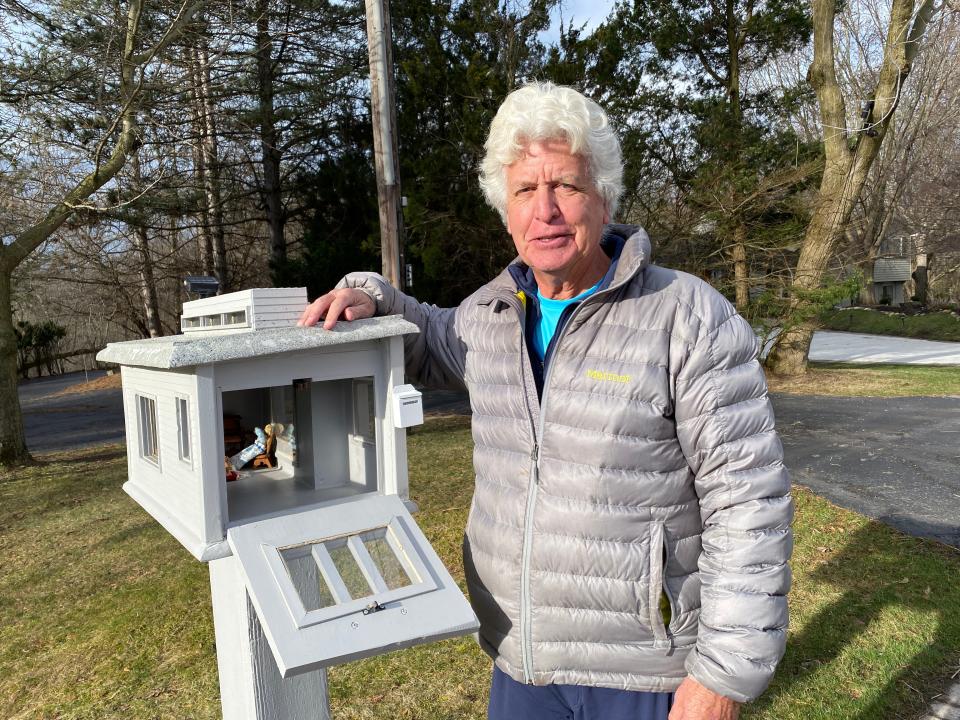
(591, 12)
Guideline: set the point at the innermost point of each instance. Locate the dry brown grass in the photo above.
(869, 381)
(107, 382)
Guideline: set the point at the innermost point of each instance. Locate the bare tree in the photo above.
(921, 134)
(118, 143)
(207, 163)
(849, 152)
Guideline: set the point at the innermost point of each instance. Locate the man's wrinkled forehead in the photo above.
(550, 162)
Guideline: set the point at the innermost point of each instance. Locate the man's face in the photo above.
(555, 215)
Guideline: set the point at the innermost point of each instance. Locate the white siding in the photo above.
(173, 484)
(891, 270)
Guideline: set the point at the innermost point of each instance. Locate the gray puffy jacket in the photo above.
(649, 469)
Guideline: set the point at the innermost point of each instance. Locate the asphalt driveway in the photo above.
(893, 459)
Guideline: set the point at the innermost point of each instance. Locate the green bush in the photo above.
(943, 325)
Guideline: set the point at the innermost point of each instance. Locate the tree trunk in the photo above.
(835, 203)
(920, 277)
(867, 295)
(148, 286)
(741, 272)
(13, 445)
(269, 137)
(199, 165)
(846, 167)
(383, 116)
(210, 162)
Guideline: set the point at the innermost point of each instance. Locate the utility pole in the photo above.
(383, 107)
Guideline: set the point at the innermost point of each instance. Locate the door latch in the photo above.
(373, 607)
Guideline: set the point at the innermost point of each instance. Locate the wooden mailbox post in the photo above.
(314, 556)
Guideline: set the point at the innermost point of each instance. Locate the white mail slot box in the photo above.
(407, 406)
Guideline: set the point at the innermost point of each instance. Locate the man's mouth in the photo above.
(557, 239)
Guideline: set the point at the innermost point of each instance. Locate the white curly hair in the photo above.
(541, 111)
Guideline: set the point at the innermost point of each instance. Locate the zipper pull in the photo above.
(535, 459)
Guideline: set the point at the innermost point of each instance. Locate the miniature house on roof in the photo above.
(311, 424)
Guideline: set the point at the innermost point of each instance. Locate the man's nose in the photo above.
(546, 207)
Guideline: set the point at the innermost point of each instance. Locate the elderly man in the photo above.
(628, 540)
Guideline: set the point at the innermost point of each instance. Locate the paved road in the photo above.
(69, 421)
(828, 346)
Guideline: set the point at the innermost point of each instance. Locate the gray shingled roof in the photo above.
(180, 351)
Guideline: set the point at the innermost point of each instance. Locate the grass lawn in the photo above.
(104, 616)
(932, 326)
(877, 380)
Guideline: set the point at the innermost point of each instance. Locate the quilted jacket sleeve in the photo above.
(435, 357)
(726, 429)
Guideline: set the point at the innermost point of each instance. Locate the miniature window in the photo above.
(183, 428)
(236, 318)
(341, 582)
(349, 574)
(147, 422)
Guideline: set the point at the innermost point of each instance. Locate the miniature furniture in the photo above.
(234, 439)
(266, 459)
(315, 558)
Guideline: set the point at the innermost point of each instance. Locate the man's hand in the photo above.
(345, 303)
(693, 701)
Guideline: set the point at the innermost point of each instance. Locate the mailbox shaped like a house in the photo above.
(285, 447)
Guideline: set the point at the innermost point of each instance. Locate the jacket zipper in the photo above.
(533, 484)
(526, 651)
(526, 636)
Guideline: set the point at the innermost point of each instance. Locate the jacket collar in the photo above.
(628, 246)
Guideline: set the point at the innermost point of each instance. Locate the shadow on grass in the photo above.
(879, 572)
(440, 424)
(148, 524)
(102, 453)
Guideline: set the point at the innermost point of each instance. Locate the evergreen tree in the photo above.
(712, 166)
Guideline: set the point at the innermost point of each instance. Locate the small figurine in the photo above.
(260, 450)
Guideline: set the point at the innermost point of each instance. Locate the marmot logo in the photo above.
(608, 376)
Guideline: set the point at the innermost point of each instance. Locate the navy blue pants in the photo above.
(511, 700)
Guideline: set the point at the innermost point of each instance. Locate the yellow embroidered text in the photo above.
(608, 376)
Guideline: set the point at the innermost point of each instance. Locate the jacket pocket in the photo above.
(659, 603)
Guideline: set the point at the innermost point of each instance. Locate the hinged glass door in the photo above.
(346, 581)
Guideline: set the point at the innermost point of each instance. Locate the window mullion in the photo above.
(367, 566)
(330, 575)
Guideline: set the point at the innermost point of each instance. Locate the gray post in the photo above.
(251, 687)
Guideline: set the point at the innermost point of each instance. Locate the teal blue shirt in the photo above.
(550, 312)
